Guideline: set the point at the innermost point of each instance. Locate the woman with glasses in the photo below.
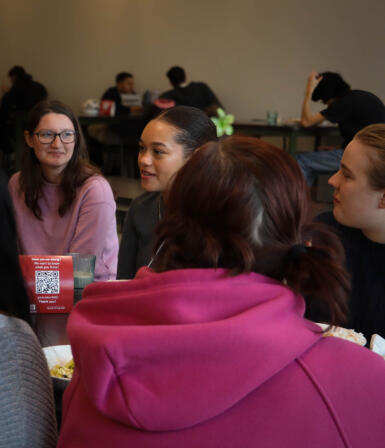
(62, 203)
(210, 348)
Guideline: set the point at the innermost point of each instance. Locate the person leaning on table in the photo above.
(62, 203)
(359, 219)
(210, 348)
(27, 412)
(352, 110)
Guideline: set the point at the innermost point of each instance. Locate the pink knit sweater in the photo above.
(89, 225)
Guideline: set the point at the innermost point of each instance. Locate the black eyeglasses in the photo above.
(67, 136)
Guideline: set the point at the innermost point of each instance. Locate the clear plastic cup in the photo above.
(84, 271)
(271, 118)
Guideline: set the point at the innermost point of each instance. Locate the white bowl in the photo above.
(377, 344)
(58, 354)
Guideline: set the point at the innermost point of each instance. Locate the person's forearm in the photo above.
(306, 113)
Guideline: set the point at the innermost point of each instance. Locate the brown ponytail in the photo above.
(243, 205)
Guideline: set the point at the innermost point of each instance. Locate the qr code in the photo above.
(47, 282)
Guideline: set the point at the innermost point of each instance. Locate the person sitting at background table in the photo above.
(62, 203)
(165, 145)
(351, 109)
(124, 85)
(113, 134)
(195, 94)
(27, 412)
(359, 218)
(210, 348)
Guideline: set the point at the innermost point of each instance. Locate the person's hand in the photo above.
(4, 88)
(136, 109)
(312, 81)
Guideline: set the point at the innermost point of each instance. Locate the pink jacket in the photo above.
(194, 358)
(88, 227)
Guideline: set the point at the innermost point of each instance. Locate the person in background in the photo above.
(27, 412)
(16, 102)
(23, 94)
(196, 94)
(352, 110)
(359, 218)
(102, 135)
(210, 348)
(62, 204)
(165, 145)
(124, 85)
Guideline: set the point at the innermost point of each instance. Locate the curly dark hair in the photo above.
(332, 85)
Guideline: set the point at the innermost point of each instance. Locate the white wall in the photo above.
(254, 54)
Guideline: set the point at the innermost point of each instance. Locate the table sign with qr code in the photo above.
(50, 282)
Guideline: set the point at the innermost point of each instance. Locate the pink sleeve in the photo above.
(95, 232)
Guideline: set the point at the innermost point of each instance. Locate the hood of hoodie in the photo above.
(168, 351)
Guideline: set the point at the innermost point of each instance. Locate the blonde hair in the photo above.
(374, 137)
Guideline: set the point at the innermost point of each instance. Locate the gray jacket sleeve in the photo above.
(27, 411)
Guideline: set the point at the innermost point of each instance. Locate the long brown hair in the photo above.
(77, 171)
(244, 205)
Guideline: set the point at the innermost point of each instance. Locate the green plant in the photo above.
(223, 122)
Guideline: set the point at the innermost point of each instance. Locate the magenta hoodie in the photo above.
(195, 358)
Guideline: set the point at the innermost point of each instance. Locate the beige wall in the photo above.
(254, 54)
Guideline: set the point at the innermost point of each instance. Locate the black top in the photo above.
(22, 96)
(353, 111)
(138, 234)
(129, 130)
(113, 94)
(195, 94)
(365, 262)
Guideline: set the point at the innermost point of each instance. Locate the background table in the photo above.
(289, 132)
(132, 126)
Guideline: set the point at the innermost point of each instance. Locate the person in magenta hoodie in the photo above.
(210, 348)
(62, 204)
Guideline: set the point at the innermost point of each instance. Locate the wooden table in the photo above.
(289, 132)
(50, 328)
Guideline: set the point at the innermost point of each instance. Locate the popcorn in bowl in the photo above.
(343, 333)
(60, 364)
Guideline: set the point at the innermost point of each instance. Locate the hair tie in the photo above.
(296, 251)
